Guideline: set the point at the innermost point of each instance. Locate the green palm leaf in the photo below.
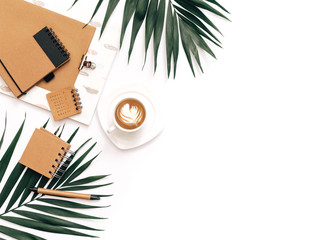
(43, 226)
(68, 204)
(202, 4)
(140, 12)
(129, 9)
(169, 37)
(52, 220)
(217, 4)
(87, 180)
(47, 218)
(27, 178)
(34, 178)
(60, 211)
(18, 234)
(4, 132)
(158, 30)
(11, 181)
(79, 171)
(184, 14)
(60, 135)
(87, 187)
(43, 181)
(150, 23)
(183, 18)
(96, 9)
(110, 9)
(75, 1)
(5, 160)
(187, 44)
(175, 44)
(73, 135)
(45, 124)
(57, 130)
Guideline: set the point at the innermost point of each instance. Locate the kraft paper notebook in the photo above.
(20, 21)
(25, 62)
(64, 103)
(100, 50)
(46, 154)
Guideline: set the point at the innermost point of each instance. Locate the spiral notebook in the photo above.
(46, 154)
(24, 63)
(64, 103)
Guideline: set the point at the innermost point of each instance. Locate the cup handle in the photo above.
(111, 129)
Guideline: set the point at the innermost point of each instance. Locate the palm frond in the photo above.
(45, 124)
(60, 135)
(158, 28)
(68, 204)
(5, 160)
(14, 233)
(184, 20)
(73, 135)
(78, 188)
(61, 211)
(52, 220)
(42, 226)
(110, 9)
(87, 180)
(4, 132)
(57, 130)
(49, 217)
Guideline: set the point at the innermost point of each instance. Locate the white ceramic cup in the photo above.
(115, 124)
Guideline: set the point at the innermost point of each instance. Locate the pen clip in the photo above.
(87, 64)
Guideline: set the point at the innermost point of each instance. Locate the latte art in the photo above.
(130, 114)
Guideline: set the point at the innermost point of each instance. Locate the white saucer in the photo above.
(154, 122)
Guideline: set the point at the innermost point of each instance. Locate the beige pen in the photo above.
(64, 194)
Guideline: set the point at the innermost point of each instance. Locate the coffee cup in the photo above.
(128, 116)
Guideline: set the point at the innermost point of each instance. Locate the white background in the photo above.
(241, 156)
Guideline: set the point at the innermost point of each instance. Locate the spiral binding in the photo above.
(76, 99)
(57, 42)
(63, 161)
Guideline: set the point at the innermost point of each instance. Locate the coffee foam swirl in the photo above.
(131, 115)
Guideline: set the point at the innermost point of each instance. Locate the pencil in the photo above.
(64, 194)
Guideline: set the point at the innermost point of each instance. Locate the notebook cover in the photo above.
(63, 103)
(54, 49)
(20, 20)
(42, 151)
(25, 63)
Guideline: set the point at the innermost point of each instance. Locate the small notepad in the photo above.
(46, 154)
(64, 103)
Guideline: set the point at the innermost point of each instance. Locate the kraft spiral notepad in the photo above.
(26, 62)
(46, 154)
(64, 103)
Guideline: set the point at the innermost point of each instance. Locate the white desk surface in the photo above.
(241, 156)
